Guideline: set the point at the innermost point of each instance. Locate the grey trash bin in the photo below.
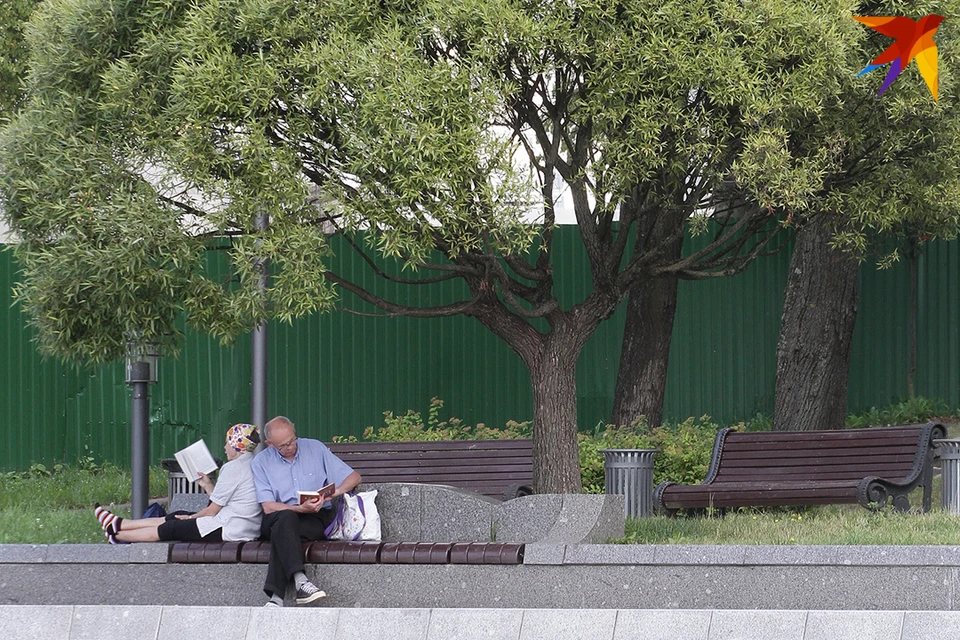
(950, 473)
(630, 472)
(177, 481)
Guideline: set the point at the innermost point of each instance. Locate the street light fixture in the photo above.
(142, 358)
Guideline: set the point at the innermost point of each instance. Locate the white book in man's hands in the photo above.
(195, 459)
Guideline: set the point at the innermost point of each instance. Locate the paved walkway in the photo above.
(26, 622)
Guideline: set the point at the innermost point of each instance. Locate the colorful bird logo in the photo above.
(914, 39)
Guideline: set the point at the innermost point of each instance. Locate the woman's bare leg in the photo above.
(142, 534)
(142, 523)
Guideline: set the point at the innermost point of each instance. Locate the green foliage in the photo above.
(411, 427)
(683, 450)
(13, 53)
(910, 411)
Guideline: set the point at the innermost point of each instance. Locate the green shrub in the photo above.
(411, 427)
(912, 411)
(684, 449)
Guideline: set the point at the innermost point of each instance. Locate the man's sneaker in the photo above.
(308, 592)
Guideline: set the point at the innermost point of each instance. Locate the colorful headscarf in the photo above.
(243, 437)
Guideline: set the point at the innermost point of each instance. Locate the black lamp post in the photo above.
(141, 372)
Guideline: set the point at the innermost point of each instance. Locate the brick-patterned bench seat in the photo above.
(327, 552)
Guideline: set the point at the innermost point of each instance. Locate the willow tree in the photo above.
(13, 54)
(435, 132)
(900, 175)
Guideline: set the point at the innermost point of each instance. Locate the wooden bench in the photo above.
(865, 466)
(496, 468)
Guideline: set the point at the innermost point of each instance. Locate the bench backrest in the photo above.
(893, 453)
(487, 467)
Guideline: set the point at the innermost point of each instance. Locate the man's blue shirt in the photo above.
(278, 479)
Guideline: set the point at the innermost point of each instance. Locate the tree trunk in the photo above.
(642, 376)
(645, 350)
(813, 352)
(556, 454)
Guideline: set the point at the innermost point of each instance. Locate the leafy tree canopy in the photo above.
(152, 117)
(13, 53)
(157, 129)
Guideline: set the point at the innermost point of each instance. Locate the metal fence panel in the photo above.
(335, 374)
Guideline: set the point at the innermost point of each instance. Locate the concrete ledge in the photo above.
(745, 555)
(140, 553)
(539, 553)
(553, 576)
(566, 586)
(255, 623)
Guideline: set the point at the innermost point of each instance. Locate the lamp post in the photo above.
(258, 345)
(142, 359)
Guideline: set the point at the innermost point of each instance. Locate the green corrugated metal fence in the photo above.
(335, 374)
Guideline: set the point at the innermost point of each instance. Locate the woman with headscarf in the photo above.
(233, 514)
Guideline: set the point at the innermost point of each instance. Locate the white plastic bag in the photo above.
(357, 518)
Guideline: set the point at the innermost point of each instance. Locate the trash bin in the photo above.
(177, 481)
(630, 472)
(950, 473)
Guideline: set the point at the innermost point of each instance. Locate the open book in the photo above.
(195, 459)
(325, 492)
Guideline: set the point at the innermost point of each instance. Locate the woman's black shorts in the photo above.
(185, 530)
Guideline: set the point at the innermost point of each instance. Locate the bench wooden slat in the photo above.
(769, 462)
(877, 433)
(432, 445)
(761, 486)
(439, 478)
(821, 448)
(432, 457)
(857, 471)
(818, 467)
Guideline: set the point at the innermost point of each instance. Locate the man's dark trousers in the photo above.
(286, 530)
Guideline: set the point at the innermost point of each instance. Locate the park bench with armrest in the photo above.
(495, 468)
(867, 466)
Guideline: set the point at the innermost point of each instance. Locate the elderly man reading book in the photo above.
(290, 465)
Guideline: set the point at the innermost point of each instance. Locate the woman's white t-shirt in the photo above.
(240, 513)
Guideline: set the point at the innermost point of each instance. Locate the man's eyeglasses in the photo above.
(286, 445)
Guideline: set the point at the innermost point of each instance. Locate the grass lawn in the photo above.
(846, 524)
(829, 524)
(43, 507)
